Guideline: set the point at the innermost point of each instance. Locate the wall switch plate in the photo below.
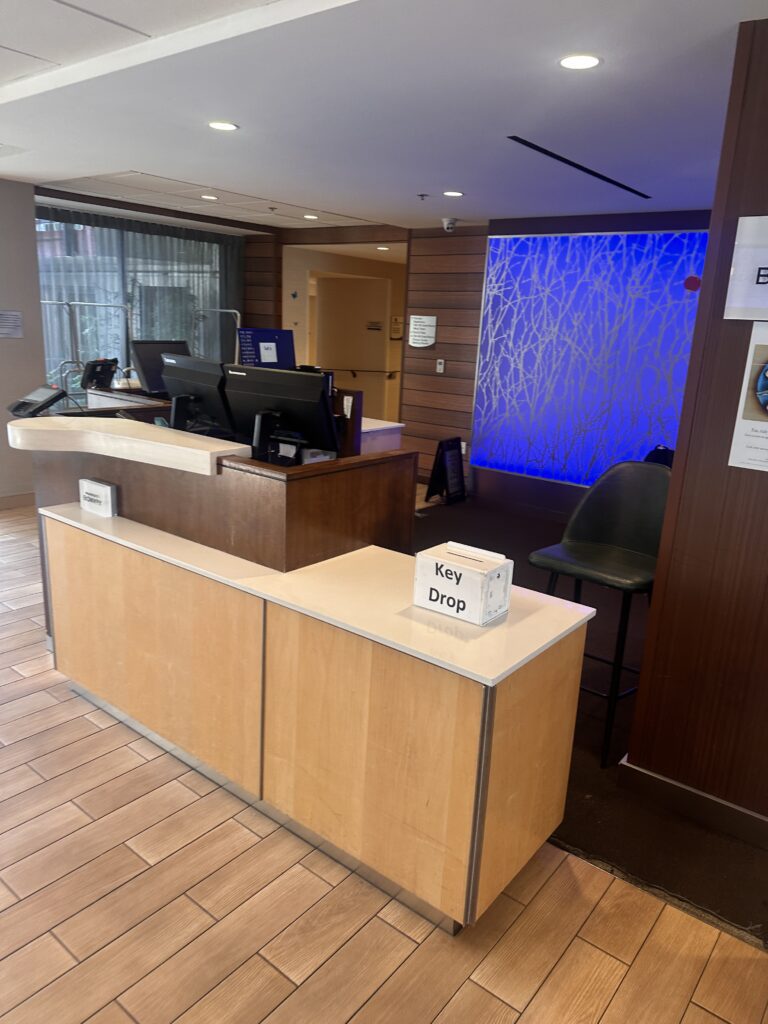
(440, 366)
(463, 447)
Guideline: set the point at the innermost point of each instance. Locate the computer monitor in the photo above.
(267, 347)
(196, 387)
(286, 403)
(146, 360)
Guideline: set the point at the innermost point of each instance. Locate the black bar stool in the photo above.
(612, 539)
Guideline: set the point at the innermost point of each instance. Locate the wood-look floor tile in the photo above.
(406, 920)
(37, 914)
(530, 949)
(13, 658)
(22, 706)
(31, 601)
(181, 828)
(33, 666)
(112, 1014)
(695, 1015)
(21, 590)
(734, 985)
(658, 986)
(146, 748)
(16, 615)
(17, 780)
(18, 843)
(43, 742)
(245, 997)
(122, 908)
(34, 635)
(258, 822)
(102, 718)
(186, 977)
(473, 1005)
(579, 988)
(24, 685)
(315, 936)
(31, 968)
(41, 721)
(198, 783)
(338, 988)
(326, 867)
(20, 626)
(7, 675)
(66, 854)
(7, 898)
(82, 751)
(62, 691)
(47, 795)
(437, 969)
(234, 883)
(621, 921)
(94, 983)
(148, 775)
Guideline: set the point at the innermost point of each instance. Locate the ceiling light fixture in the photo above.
(383, 248)
(223, 126)
(579, 62)
(453, 195)
(311, 216)
(212, 199)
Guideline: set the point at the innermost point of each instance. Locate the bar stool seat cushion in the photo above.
(606, 564)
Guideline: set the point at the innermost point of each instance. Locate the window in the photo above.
(105, 277)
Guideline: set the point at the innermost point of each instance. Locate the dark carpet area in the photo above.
(716, 873)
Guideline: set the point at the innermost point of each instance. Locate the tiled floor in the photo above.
(132, 889)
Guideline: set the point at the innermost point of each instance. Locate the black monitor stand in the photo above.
(274, 442)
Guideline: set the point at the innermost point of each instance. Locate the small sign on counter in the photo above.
(98, 497)
(463, 582)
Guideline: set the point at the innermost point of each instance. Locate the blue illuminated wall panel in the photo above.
(584, 349)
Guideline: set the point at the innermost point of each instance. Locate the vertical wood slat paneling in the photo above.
(445, 279)
(702, 712)
(263, 304)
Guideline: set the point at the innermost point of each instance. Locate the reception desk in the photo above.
(429, 753)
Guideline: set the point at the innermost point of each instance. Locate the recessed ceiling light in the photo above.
(223, 126)
(311, 216)
(453, 195)
(383, 248)
(579, 62)
(212, 199)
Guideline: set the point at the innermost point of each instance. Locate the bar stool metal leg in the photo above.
(552, 582)
(613, 692)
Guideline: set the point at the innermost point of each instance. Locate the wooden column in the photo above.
(263, 281)
(702, 714)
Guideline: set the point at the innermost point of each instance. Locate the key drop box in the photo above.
(463, 582)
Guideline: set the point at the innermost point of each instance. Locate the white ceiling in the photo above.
(358, 108)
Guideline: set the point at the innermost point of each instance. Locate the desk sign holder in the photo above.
(463, 582)
(447, 476)
(98, 497)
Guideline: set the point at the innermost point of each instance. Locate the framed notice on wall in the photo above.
(422, 331)
(749, 447)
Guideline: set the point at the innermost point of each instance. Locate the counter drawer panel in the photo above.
(175, 650)
(374, 750)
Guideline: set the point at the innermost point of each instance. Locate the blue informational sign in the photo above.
(267, 347)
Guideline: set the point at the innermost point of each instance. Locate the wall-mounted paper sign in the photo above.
(748, 287)
(422, 331)
(11, 324)
(396, 325)
(749, 447)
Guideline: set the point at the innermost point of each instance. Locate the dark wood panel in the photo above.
(448, 244)
(452, 367)
(427, 414)
(463, 263)
(254, 320)
(260, 293)
(438, 382)
(260, 265)
(670, 220)
(258, 248)
(433, 431)
(445, 282)
(702, 713)
(259, 308)
(459, 403)
(446, 349)
(450, 317)
(444, 300)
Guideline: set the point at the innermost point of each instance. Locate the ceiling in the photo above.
(351, 108)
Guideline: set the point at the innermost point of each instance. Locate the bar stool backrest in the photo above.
(623, 508)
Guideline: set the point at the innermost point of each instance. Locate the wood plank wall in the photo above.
(702, 713)
(445, 279)
(263, 305)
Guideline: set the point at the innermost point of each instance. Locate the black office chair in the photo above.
(612, 539)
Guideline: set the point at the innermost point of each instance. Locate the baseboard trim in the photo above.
(692, 803)
(17, 501)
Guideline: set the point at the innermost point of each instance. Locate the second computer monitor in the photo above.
(301, 401)
(146, 357)
(271, 348)
(197, 389)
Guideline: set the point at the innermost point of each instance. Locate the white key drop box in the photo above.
(463, 582)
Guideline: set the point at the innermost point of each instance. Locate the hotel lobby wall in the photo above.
(22, 362)
(702, 713)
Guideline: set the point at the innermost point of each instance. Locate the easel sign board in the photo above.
(749, 445)
(748, 285)
(447, 476)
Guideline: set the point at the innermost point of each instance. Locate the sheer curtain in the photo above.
(167, 282)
